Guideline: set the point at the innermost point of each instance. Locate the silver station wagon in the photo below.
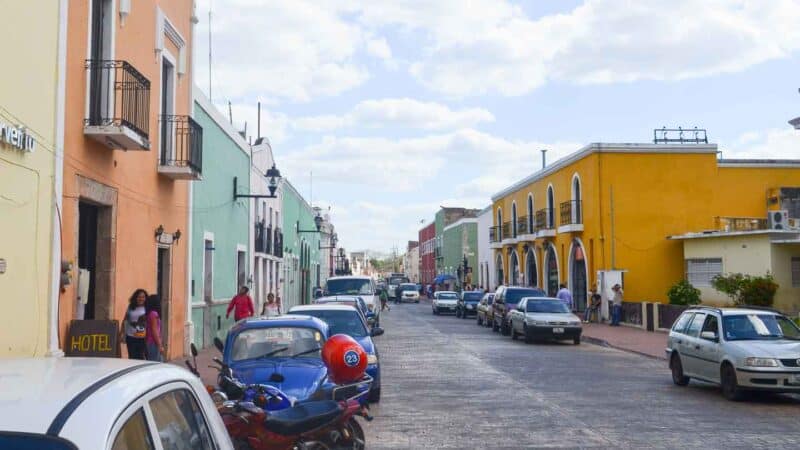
(741, 349)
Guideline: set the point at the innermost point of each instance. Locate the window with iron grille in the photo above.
(795, 272)
(700, 271)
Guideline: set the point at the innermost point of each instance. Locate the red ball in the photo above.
(345, 358)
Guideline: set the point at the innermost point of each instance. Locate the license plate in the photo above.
(558, 330)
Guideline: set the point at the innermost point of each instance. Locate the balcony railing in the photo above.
(571, 213)
(522, 225)
(494, 234)
(119, 105)
(181, 147)
(740, 223)
(506, 230)
(543, 219)
(278, 243)
(263, 237)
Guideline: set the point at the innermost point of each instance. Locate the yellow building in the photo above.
(603, 214)
(29, 185)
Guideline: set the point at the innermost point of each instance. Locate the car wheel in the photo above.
(417, 302)
(677, 370)
(504, 329)
(576, 340)
(479, 321)
(464, 315)
(375, 395)
(512, 331)
(528, 338)
(495, 328)
(730, 388)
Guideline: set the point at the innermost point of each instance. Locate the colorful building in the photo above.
(427, 246)
(461, 244)
(220, 225)
(266, 235)
(602, 215)
(486, 272)
(131, 146)
(301, 252)
(411, 261)
(445, 217)
(31, 149)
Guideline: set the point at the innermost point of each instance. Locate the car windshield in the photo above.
(278, 342)
(547, 306)
(513, 296)
(340, 322)
(394, 281)
(408, 287)
(748, 327)
(448, 296)
(472, 296)
(349, 286)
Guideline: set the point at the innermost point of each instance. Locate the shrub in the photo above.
(683, 293)
(747, 289)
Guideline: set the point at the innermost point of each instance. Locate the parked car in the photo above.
(506, 299)
(352, 300)
(409, 292)
(467, 304)
(105, 403)
(361, 286)
(544, 318)
(740, 349)
(444, 301)
(347, 320)
(484, 310)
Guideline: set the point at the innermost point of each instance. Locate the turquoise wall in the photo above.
(458, 241)
(294, 208)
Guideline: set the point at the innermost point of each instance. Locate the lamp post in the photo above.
(317, 222)
(273, 176)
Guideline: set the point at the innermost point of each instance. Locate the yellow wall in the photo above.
(655, 195)
(27, 98)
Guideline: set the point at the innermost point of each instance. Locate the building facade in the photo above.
(328, 239)
(427, 259)
(31, 148)
(461, 244)
(601, 215)
(411, 261)
(301, 253)
(486, 271)
(266, 233)
(219, 225)
(445, 217)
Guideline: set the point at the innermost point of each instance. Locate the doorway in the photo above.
(530, 269)
(163, 285)
(578, 277)
(551, 268)
(87, 260)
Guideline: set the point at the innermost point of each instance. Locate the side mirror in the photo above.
(709, 335)
(218, 343)
(377, 331)
(194, 350)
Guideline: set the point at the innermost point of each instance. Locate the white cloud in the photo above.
(403, 112)
(776, 143)
(379, 48)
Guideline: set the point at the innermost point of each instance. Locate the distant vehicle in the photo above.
(444, 301)
(105, 403)
(409, 293)
(740, 349)
(468, 303)
(544, 318)
(506, 299)
(352, 300)
(393, 281)
(484, 310)
(361, 286)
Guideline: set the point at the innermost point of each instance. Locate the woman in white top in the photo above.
(271, 308)
(134, 325)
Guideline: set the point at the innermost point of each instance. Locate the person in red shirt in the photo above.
(242, 305)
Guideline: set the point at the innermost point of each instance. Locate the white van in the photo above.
(361, 286)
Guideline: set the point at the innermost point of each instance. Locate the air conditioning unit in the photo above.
(778, 220)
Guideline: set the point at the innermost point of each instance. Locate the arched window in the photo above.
(551, 271)
(531, 276)
(514, 219)
(550, 207)
(530, 213)
(500, 224)
(576, 199)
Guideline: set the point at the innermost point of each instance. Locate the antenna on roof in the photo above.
(258, 127)
(230, 113)
(544, 158)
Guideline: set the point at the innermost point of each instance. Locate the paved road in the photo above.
(448, 383)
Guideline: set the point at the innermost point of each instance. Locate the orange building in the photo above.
(130, 145)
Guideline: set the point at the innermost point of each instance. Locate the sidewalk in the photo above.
(630, 339)
(207, 374)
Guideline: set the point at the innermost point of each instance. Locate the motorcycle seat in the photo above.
(303, 417)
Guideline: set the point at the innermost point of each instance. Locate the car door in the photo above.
(497, 305)
(708, 350)
(689, 346)
(518, 315)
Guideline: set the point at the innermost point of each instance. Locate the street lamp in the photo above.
(317, 221)
(334, 241)
(273, 176)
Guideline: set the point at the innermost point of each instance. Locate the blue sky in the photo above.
(399, 107)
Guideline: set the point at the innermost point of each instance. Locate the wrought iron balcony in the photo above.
(522, 225)
(119, 105)
(544, 219)
(263, 237)
(181, 148)
(494, 234)
(278, 243)
(571, 213)
(506, 231)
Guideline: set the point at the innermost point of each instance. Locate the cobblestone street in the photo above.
(449, 383)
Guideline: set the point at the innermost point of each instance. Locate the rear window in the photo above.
(680, 324)
(31, 441)
(472, 296)
(513, 296)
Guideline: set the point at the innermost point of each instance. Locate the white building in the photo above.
(411, 263)
(266, 235)
(486, 273)
(328, 240)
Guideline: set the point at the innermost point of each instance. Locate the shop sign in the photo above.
(16, 137)
(93, 338)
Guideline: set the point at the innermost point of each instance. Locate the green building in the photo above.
(448, 255)
(219, 225)
(301, 248)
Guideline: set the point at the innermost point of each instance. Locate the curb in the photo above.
(604, 343)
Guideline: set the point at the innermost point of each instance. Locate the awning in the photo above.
(442, 278)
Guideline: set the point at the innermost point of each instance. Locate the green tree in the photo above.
(683, 293)
(756, 290)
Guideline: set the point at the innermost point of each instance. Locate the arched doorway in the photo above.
(531, 275)
(513, 270)
(551, 208)
(551, 271)
(576, 199)
(577, 276)
(498, 265)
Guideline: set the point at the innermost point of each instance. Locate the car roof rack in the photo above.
(760, 308)
(710, 308)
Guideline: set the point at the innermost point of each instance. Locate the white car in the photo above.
(741, 349)
(361, 286)
(105, 403)
(444, 301)
(409, 293)
(544, 318)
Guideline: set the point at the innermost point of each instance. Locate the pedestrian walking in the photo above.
(565, 296)
(156, 350)
(397, 294)
(384, 300)
(270, 308)
(616, 302)
(241, 305)
(594, 306)
(134, 325)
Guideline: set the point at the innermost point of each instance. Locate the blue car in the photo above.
(283, 352)
(345, 319)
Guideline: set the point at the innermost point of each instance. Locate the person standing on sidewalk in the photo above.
(134, 325)
(565, 296)
(616, 305)
(241, 304)
(594, 306)
(156, 350)
(270, 308)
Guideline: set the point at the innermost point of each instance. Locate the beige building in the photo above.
(411, 261)
(752, 252)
